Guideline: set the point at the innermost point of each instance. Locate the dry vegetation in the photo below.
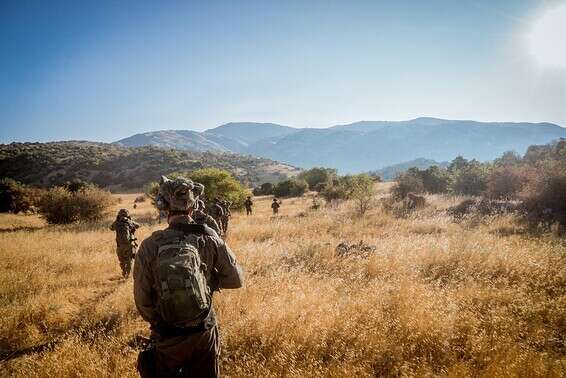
(477, 298)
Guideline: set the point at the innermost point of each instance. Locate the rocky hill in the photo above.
(362, 146)
(121, 168)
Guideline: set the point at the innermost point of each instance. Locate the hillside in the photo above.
(363, 146)
(390, 172)
(122, 168)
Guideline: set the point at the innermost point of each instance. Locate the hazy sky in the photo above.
(109, 69)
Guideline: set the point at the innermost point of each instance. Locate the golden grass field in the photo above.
(435, 298)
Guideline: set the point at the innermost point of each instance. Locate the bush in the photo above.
(470, 180)
(16, 197)
(290, 188)
(220, 183)
(406, 183)
(544, 195)
(316, 176)
(60, 206)
(505, 182)
(77, 185)
(264, 189)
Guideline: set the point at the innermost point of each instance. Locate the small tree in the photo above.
(470, 180)
(316, 176)
(290, 188)
(362, 191)
(220, 183)
(264, 189)
(406, 183)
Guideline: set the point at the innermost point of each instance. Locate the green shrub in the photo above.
(290, 188)
(316, 176)
(470, 180)
(361, 192)
(16, 197)
(264, 189)
(60, 206)
(220, 183)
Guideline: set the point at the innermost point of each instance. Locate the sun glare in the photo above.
(547, 38)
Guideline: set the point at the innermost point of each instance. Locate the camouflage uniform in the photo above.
(226, 215)
(186, 352)
(275, 205)
(200, 217)
(126, 245)
(248, 205)
(217, 212)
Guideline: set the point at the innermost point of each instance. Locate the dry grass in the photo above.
(434, 298)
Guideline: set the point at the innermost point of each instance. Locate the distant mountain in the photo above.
(389, 173)
(362, 146)
(123, 168)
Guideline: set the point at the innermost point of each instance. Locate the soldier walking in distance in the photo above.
(275, 205)
(226, 215)
(175, 274)
(248, 205)
(200, 217)
(126, 242)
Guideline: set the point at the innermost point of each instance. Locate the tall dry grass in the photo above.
(434, 298)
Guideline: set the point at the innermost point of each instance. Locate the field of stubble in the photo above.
(435, 298)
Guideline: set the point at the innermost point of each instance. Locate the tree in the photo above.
(362, 191)
(220, 183)
(290, 188)
(406, 183)
(470, 180)
(505, 182)
(316, 176)
(264, 189)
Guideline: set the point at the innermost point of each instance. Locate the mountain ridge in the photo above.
(360, 146)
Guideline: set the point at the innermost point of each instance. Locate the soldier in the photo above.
(275, 205)
(226, 216)
(216, 211)
(248, 205)
(175, 274)
(126, 242)
(200, 217)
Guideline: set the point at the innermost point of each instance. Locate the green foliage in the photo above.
(470, 179)
(220, 183)
(317, 176)
(264, 189)
(15, 197)
(361, 191)
(60, 206)
(151, 190)
(290, 188)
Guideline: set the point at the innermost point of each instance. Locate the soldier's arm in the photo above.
(229, 274)
(143, 285)
(113, 226)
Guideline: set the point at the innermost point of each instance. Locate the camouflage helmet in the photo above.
(123, 213)
(177, 194)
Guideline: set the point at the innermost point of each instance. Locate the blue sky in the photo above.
(107, 69)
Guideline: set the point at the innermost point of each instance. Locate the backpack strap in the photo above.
(191, 229)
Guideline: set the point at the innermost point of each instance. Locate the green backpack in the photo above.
(185, 297)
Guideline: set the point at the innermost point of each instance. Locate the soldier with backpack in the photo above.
(226, 216)
(175, 274)
(126, 241)
(248, 204)
(216, 211)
